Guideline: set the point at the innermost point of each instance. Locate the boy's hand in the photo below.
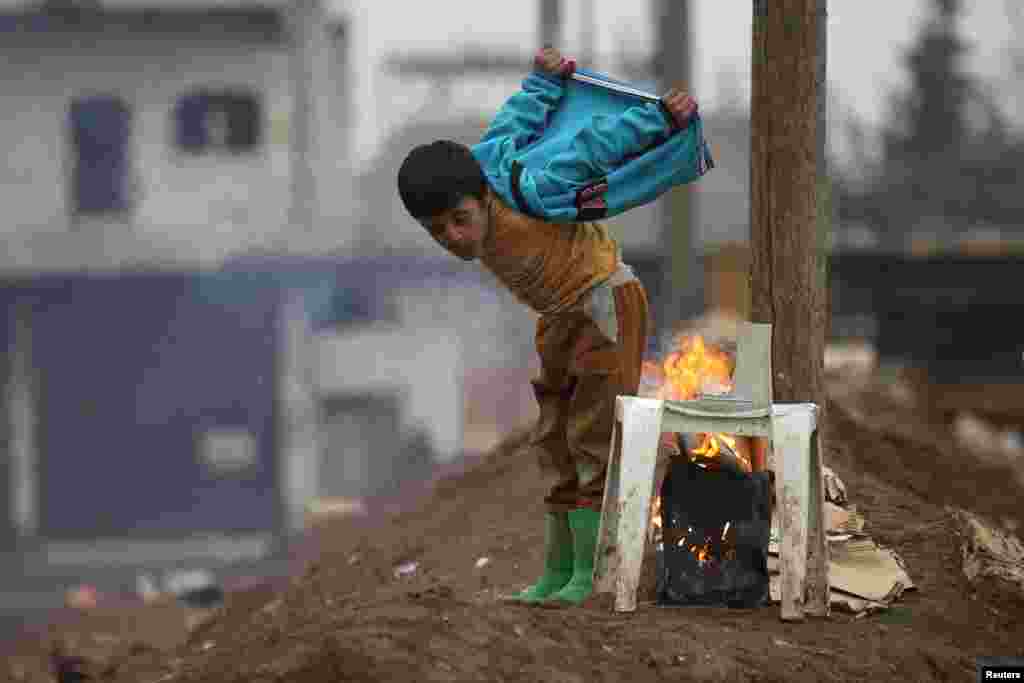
(550, 61)
(681, 106)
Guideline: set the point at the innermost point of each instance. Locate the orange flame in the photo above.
(694, 368)
(701, 552)
(654, 528)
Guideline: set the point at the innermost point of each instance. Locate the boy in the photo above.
(593, 321)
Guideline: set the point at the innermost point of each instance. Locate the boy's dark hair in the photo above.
(435, 177)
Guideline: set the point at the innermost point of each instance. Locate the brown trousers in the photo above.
(582, 371)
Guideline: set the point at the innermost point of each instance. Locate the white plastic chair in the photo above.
(792, 433)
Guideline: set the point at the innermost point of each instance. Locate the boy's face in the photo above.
(461, 230)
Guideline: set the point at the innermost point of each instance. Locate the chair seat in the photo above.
(719, 407)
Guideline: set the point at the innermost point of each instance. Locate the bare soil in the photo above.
(348, 617)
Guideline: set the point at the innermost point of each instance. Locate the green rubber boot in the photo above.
(584, 524)
(558, 559)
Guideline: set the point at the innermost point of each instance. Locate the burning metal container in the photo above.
(715, 527)
(712, 519)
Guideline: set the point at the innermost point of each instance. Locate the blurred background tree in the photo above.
(949, 160)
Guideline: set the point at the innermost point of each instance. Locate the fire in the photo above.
(694, 368)
(700, 552)
(709, 448)
(654, 530)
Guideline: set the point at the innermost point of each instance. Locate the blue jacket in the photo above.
(564, 150)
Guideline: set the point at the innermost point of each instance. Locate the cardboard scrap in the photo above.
(843, 521)
(863, 576)
(836, 518)
(855, 605)
(989, 552)
(835, 489)
(841, 524)
(838, 599)
(846, 520)
(867, 570)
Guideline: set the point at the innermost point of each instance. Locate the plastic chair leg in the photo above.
(818, 590)
(606, 563)
(627, 504)
(792, 444)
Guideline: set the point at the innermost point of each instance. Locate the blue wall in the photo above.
(133, 366)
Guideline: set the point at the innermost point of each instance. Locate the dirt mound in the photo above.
(413, 596)
(923, 459)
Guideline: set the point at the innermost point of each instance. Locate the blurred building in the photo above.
(148, 132)
(183, 418)
(163, 404)
(202, 336)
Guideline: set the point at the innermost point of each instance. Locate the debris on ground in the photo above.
(406, 569)
(146, 589)
(990, 554)
(322, 509)
(835, 489)
(850, 358)
(82, 597)
(983, 436)
(195, 588)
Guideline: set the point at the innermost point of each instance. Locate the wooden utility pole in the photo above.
(789, 223)
(549, 29)
(788, 204)
(684, 267)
